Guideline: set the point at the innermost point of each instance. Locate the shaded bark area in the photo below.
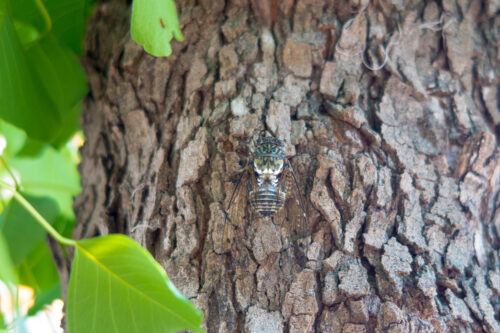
(390, 108)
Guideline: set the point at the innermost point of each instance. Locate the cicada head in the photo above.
(268, 157)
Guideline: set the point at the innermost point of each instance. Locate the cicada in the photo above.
(267, 185)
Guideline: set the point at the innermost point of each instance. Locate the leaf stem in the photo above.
(39, 218)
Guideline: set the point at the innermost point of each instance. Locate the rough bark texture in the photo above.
(391, 108)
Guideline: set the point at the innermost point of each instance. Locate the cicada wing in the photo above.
(293, 212)
(236, 211)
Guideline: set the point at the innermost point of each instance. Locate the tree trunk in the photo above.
(390, 108)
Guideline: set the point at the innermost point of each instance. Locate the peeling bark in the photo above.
(399, 166)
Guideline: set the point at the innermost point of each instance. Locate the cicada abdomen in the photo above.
(268, 184)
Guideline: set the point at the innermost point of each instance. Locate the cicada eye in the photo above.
(257, 164)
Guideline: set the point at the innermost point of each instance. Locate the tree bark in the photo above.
(391, 110)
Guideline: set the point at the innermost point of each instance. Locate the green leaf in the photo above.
(3, 325)
(61, 74)
(39, 272)
(64, 80)
(30, 19)
(23, 99)
(51, 174)
(70, 125)
(154, 23)
(25, 239)
(7, 271)
(68, 21)
(45, 298)
(21, 231)
(15, 138)
(117, 286)
(31, 148)
(90, 8)
(42, 86)
(64, 225)
(26, 33)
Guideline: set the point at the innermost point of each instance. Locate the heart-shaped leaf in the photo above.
(117, 286)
